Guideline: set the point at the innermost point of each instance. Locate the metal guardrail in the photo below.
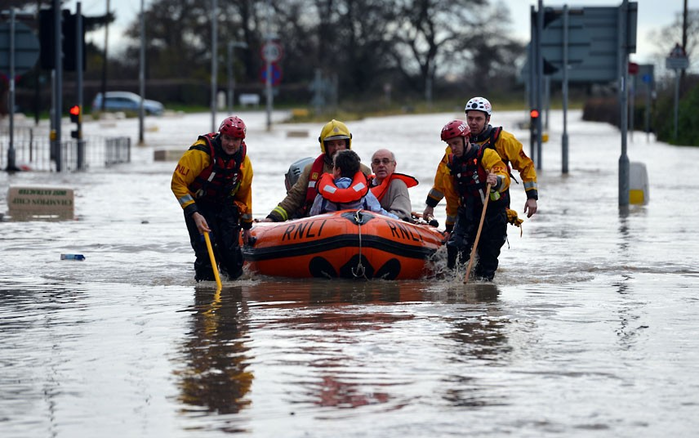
(33, 150)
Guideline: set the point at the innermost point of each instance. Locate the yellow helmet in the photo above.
(334, 130)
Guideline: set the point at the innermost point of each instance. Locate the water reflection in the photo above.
(216, 376)
(348, 344)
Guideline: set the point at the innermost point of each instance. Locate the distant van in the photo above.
(127, 102)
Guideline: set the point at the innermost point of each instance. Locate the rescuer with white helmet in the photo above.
(478, 111)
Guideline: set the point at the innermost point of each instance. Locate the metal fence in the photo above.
(33, 150)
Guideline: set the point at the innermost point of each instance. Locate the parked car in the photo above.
(126, 101)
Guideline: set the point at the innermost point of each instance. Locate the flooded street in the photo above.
(591, 327)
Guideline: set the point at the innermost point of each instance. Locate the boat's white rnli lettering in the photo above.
(400, 231)
(302, 231)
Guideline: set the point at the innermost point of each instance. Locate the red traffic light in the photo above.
(534, 114)
(74, 113)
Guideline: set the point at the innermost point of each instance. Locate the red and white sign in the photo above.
(271, 51)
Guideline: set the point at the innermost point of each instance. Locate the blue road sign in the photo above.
(276, 74)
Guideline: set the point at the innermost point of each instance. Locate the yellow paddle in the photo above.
(213, 261)
(478, 235)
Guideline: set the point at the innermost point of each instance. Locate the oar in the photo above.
(213, 262)
(478, 235)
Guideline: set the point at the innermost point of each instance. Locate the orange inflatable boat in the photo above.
(345, 244)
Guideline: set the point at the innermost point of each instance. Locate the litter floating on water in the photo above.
(72, 257)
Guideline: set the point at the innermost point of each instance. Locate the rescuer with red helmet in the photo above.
(212, 182)
(478, 111)
(469, 169)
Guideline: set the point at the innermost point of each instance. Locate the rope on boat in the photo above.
(360, 270)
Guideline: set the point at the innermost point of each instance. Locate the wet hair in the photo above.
(347, 161)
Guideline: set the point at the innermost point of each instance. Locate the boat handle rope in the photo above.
(361, 271)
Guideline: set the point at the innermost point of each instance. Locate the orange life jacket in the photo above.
(356, 191)
(380, 190)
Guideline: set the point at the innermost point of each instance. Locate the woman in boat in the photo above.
(346, 188)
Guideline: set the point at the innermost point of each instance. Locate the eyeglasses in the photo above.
(385, 161)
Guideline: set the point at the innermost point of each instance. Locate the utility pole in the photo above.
(214, 63)
(104, 64)
(142, 77)
(684, 36)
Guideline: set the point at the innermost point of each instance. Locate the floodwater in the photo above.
(591, 327)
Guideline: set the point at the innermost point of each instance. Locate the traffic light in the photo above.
(76, 117)
(69, 43)
(533, 125)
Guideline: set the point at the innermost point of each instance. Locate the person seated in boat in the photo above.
(471, 167)
(213, 184)
(346, 188)
(391, 187)
(334, 137)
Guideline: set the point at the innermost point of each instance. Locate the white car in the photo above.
(126, 101)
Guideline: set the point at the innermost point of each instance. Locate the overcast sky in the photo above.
(652, 15)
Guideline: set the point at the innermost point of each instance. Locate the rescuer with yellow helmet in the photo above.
(335, 136)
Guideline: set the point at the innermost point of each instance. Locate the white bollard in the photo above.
(638, 184)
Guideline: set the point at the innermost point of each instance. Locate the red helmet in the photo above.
(455, 128)
(233, 126)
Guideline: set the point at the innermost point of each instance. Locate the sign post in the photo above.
(677, 61)
(19, 51)
(271, 52)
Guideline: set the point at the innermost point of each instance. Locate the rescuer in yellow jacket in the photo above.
(335, 136)
(478, 111)
(213, 184)
(471, 169)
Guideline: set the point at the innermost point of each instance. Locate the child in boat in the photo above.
(346, 188)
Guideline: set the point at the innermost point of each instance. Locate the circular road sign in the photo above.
(272, 52)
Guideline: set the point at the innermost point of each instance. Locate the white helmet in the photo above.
(479, 104)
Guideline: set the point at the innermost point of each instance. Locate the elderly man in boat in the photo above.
(391, 187)
(335, 136)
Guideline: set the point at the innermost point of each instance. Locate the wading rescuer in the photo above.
(212, 182)
(478, 111)
(471, 167)
(334, 137)
(346, 188)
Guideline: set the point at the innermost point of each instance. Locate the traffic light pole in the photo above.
(539, 79)
(58, 84)
(11, 157)
(532, 84)
(79, 80)
(624, 165)
(564, 137)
